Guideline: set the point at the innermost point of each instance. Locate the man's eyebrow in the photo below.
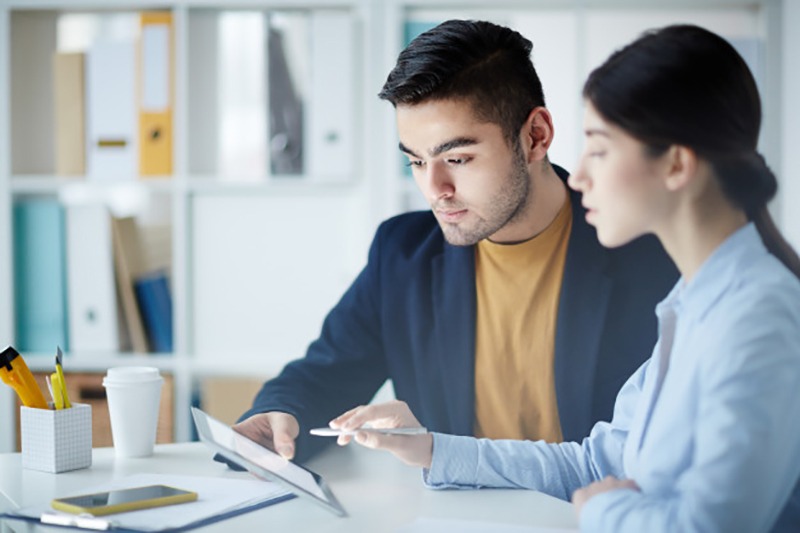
(407, 150)
(443, 147)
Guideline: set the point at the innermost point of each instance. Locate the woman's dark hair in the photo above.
(685, 85)
(483, 63)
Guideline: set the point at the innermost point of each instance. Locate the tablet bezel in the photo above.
(205, 434)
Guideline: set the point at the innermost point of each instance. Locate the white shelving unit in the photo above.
(257, 262)
(199, 198)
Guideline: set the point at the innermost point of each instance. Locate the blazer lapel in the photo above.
(585, 292)
(453, 287)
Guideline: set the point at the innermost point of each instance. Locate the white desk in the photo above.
(379, 492)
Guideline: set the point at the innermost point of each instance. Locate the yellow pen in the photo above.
(15, 373)
(62, 382)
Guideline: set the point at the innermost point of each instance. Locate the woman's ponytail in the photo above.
(749, 183)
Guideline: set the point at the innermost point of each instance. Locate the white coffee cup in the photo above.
(134, 394)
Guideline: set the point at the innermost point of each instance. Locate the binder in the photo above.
(330, 135)
(128, 265)
(111, 116)
(285, 111)
(68, 89)
(40, 292)
(155, 94)
(155, 301)
(91, 295)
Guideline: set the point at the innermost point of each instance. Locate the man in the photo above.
(498, 313)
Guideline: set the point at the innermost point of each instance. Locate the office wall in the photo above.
(266, 272)
(790, 117)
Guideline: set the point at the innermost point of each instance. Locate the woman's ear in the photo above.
(537, 134)
(681, 167)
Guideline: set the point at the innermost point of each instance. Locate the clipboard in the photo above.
(214, 510)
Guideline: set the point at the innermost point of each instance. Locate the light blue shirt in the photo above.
(708, 427)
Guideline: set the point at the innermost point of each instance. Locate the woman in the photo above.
(705, 435)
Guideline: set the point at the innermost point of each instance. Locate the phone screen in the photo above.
(124, 499)
(116, 497)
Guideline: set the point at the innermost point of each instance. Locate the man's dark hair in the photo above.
(483, 63)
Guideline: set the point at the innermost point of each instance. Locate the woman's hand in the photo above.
(581, 496)
(415, 450)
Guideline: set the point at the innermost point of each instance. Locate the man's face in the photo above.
(477, 185)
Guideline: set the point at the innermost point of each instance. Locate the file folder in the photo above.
(155, 302)
(91, 296)
(68, 89)
(155, 94)
(330, 135)
(111, 111)
(128, 258)
(40, 285)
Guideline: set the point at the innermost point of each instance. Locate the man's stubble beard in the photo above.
(507, 206)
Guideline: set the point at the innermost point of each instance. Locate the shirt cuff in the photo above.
(454, 462)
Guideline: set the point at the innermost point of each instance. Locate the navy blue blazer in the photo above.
(410, 317)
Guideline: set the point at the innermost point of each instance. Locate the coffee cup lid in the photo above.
(131, 374)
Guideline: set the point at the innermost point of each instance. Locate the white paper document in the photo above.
(216, 496)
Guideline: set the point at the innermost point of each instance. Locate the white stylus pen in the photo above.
(330, 432)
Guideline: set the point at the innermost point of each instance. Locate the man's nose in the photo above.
(440, 183)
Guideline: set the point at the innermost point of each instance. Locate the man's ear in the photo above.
(680, 166)
(537, 134)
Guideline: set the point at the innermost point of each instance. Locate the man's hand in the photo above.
(581, 496)
(274, 430)
(415, 450)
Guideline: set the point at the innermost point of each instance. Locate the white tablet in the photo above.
(264, 463)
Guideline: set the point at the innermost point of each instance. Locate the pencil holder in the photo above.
(56, 440)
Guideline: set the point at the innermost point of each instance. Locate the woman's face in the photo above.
(622, 187)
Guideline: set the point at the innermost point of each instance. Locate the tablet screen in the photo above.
(263, 462)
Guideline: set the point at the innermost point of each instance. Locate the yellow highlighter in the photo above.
(15, 373)
(62, 383)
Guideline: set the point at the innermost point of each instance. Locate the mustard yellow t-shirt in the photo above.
(518, 288)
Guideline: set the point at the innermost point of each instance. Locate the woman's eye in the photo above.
(458, 160)
(414, 163)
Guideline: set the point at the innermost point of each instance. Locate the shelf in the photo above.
(49, 184)
(100, 362)
(279, 186)
(39, 184)
(103, 6)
